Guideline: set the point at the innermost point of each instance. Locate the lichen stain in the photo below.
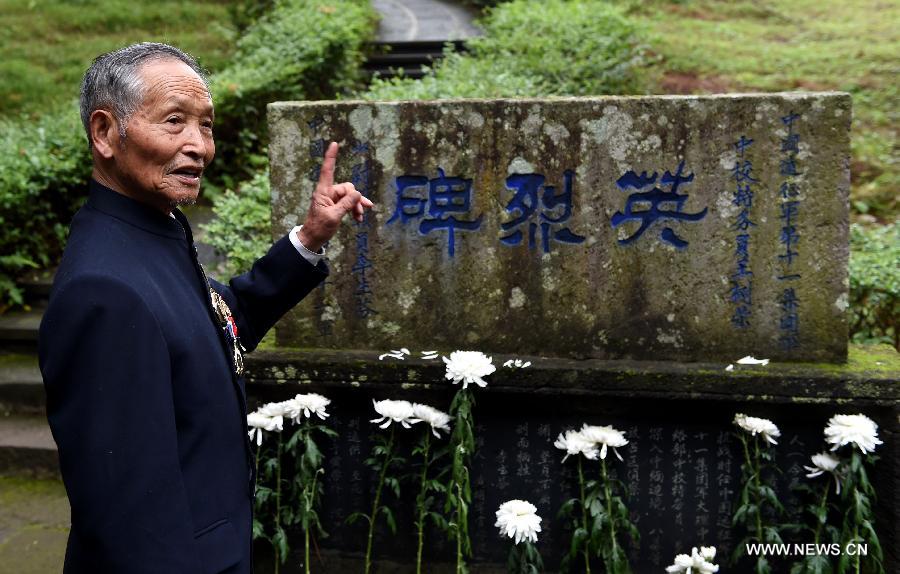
(382, 127)
(517, 298)
(842, 302)
(725, 205)
(549, 279)
(532, 124)
(331, 312)
(519, 165)
(407, 298)
(615, 130)
(556, 132)
(727, 159)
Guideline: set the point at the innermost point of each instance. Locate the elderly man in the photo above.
(140, 351)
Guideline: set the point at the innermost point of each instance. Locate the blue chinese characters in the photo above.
(789, 321)
(363, 265)
(556, 209)
(741, 290)
(654, 198)
(444, 196)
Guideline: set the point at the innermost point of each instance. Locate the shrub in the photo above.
(242, 228)
(44, 165)
(535, 48)
(875, 284)
(301, 49)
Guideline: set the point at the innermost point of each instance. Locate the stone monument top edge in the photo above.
(560, 99)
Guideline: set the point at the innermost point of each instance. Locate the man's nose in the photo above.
(196, 143)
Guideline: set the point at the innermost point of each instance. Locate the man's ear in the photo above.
(104, 133)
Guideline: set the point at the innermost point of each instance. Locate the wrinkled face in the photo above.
(169, 138)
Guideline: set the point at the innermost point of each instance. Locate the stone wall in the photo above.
(678, 228)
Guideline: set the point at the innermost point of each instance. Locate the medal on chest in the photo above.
(228, 324)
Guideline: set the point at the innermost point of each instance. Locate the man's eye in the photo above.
(173, 120)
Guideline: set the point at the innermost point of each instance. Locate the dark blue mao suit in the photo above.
(142, 397)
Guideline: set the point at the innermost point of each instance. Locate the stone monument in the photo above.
(629, 249)
(680, 228)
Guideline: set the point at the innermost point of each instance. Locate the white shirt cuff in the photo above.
(310, 256)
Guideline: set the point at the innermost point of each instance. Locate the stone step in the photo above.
(19, 330)
(27, 447)
(391, 59)
(36, 285)
(21, 386)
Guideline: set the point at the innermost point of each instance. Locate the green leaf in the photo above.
(770, 535)
(393, 484)
(762, 566)
(356, 516)
(280, 543)
(389, 518)
(258, 531)
(331, 433)
(872, 539)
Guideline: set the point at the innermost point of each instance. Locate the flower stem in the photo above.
(375, 506)
(460, 568)
(309, 500)
(822, 506)
(256, 470)
(584, 519)
(422, 492)
(757, 469)
(609, 514)
(278, 504)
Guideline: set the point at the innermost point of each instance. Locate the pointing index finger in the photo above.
(326, 175)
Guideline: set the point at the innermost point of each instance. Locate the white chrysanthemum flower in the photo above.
(682, 563)
(258, 422)
(274, 409)
(394, 411)
(708, 553)
(822, 463)
(518, 519)
(605, 436)
(758, 426)
(699, 562)
(468, 367)
(306, 406)
(574, 443)
(857, 429)
(438, 420)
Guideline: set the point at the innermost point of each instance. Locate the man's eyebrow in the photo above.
(179, 102)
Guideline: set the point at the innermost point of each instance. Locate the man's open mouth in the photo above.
(189, 174)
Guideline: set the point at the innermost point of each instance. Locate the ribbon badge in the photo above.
(229, 325)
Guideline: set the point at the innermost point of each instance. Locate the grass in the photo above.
(780, 45)
(46, 45)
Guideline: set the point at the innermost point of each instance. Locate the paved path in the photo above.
(423, 20)
(34, 525)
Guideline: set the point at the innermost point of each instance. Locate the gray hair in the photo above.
(113, 82)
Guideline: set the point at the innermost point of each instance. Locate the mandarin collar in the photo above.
(136, 213)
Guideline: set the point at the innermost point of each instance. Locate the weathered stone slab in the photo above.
(679, 228)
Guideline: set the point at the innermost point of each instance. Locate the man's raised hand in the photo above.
(329, 203)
